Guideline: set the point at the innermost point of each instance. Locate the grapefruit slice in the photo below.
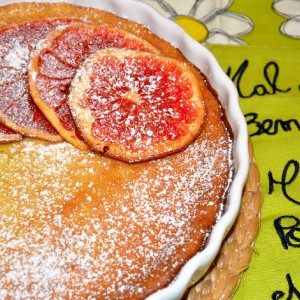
(136, 106)
(8, 135)
(54, 64)
(17, 110)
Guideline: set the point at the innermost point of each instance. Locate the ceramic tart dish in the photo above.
(105, 194)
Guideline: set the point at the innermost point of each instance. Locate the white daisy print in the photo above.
(291, 10)
(207, 21)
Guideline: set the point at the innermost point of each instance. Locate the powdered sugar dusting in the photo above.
(155, 100)
(62, 52)
(16, 45)
(18, 56)
(7, 135)
(136, 104)
(81, 225)
(77, 225)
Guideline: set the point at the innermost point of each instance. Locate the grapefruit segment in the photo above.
(8, 135)
(17, 110)
(135, 105)
(54, 64)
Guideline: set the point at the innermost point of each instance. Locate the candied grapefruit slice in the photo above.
(135, 105)
(17, 110)
(54, 64)
(8, 135)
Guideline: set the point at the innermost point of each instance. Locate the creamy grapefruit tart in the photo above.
(119, 161)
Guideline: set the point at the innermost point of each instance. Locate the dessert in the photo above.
(77, 224)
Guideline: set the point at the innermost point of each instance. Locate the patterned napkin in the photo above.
(258, 46)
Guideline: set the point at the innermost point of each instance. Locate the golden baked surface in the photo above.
(74, 224)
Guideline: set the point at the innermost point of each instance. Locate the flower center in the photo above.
(193, 27)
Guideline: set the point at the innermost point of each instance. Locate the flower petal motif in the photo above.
(167, 10)
(232, 23)
(207, 9)
(218, 25)
(287, 8)
(291, 10)
(220, 37)
(291, 27)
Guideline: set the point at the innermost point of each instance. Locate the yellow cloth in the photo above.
(270, 75)
(265, 66)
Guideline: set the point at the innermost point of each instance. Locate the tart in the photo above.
(78, 224)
